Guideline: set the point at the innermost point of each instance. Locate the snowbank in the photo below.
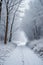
(36, 46)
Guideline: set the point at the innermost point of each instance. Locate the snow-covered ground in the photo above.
(37, 47)
(11, 54)
(5, 51)
(23, 56)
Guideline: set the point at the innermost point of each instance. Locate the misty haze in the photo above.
(21, 32)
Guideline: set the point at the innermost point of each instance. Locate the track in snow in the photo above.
(23, 56)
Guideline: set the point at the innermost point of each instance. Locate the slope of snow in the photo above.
(23, 56)
(36, 46)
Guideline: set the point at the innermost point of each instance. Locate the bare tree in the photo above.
(36, 30)
(13, 21)
(5, 39)
(8, 9)
(10, 4)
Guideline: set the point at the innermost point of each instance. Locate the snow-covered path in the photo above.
(23, 56)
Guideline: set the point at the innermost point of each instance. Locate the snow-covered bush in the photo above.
(36, 46)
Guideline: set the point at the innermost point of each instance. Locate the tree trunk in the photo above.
(6, 31)
(0, 7)
(11, 29)
(10, 34)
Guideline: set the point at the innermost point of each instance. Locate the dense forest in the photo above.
(32, 24)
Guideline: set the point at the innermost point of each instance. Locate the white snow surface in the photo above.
(23, 56)
(5, 51)
(36, 46)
